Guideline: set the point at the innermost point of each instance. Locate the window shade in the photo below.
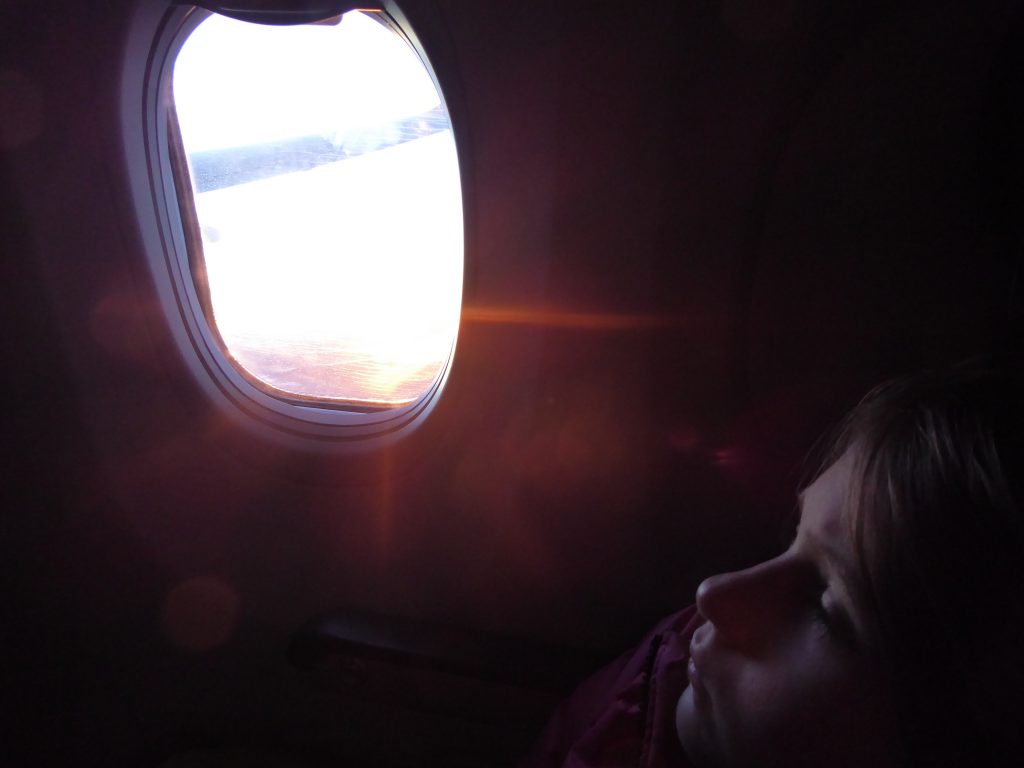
(282, 12)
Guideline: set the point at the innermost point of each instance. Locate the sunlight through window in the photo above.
(326, 188)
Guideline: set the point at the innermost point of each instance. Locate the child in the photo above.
(888, 633)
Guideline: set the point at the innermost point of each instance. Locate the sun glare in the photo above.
(327, 193)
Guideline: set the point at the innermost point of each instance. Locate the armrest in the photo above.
(324, 642)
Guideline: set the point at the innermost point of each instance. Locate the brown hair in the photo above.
(937, 515)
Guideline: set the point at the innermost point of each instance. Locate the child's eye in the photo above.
(831, 617)
(822, 612)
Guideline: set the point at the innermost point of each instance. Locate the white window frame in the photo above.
(157, 34)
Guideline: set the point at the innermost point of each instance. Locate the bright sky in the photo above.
(237, 83)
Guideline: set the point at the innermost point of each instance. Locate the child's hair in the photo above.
(937, 516)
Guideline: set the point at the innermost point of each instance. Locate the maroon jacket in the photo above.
(624, 716)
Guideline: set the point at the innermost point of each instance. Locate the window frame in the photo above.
(151, 158)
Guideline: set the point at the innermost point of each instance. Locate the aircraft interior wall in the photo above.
(696, 232)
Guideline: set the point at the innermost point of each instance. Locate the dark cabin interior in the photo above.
(807, 198)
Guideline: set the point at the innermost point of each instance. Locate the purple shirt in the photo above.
(624, 715)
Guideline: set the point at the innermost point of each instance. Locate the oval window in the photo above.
(324, 185)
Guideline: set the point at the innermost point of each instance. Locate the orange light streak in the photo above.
(550, 318)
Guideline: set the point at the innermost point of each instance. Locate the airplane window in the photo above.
(323, 179)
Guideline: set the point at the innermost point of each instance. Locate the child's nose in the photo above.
(746, 607)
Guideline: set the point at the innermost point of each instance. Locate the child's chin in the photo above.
(692, 728)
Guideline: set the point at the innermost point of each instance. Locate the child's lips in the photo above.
(698, 649)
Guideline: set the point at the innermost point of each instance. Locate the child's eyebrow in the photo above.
(822, 544)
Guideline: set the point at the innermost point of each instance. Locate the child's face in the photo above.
(782, 673)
